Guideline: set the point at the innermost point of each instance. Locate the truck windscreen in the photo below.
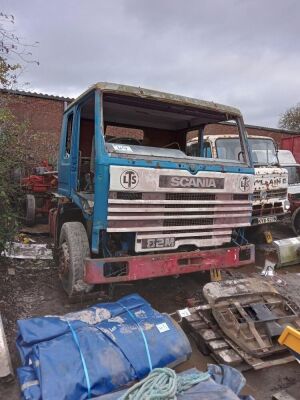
(294, 174)
(263, 150)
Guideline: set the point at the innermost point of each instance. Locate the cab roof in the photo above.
(154, 95)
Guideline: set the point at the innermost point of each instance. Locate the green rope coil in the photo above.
(163, 384)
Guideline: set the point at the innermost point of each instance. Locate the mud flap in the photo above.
(288, 251)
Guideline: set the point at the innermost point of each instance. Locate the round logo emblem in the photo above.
(129, 179)
(244, 184)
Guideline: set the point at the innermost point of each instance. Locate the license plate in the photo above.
(266, 220)
(158, 243)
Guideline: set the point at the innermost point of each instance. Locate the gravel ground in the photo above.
(31, 288)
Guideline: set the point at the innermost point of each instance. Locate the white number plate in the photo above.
(266, 220)
(158, 243)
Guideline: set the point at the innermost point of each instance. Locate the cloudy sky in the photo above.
(244, 53)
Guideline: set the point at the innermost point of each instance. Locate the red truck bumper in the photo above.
(120, 269)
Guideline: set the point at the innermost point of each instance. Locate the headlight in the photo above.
(286, 205)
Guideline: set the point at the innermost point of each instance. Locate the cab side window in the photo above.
(207, 150)
(69, 136)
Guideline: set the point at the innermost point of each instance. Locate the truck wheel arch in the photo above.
(66, 212)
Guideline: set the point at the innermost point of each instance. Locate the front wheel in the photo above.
(73, 249)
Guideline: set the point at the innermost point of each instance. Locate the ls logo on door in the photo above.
(129, 179)
(245, 184)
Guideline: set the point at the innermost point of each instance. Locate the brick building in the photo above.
(42, 114)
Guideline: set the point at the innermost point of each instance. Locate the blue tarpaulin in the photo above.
(85, 354)
(225, 383)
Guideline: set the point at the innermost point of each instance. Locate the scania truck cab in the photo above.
(270, 199)
(133, 204)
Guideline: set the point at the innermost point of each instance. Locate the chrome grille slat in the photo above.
(170, 217)
(174, 228)
(164, 209)
(199, 219)
(185, 234)
(188, 202)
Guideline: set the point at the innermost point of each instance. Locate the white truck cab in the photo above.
(270, 198)
(288, 162)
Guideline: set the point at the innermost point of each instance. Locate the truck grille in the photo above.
(200, 219)
(260, 210)
(277, 193)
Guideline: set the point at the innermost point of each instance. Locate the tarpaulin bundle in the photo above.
(88, 353)
(220, 382)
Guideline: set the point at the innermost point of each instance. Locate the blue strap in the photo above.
(85, 370)
(142, 333)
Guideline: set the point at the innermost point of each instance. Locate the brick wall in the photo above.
(42, 115)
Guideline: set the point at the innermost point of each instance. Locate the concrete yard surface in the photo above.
(34, 289)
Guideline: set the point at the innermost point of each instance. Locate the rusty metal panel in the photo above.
(115, 88)
(151, 266)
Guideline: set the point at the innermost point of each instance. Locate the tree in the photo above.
(291, 119)
(13, 53)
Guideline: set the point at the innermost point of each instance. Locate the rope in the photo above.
(85, 370)
(163, 384)
(142, 333)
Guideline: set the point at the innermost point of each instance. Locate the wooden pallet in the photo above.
(210, 340)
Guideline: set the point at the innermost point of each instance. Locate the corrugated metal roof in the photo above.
(35, 94)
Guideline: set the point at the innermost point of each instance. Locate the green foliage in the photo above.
(11, 162)
(12, 133)
(291, 119)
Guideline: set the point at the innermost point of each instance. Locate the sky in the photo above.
(243, 53)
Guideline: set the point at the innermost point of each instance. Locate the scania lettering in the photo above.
(133, 204)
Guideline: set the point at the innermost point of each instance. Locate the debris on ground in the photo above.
(35, 290)
(253, 308)
(27, 251)
(291, 393)
(288, 251)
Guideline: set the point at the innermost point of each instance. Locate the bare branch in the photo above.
(291, 119)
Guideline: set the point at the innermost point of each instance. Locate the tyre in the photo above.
(296, 222)
(73, 249)
(30, 210)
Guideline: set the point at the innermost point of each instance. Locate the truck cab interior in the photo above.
(140, 128)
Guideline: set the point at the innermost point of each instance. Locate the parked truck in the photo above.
(270, 199)
(291, 143)
(133, 204)
(288, 161)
